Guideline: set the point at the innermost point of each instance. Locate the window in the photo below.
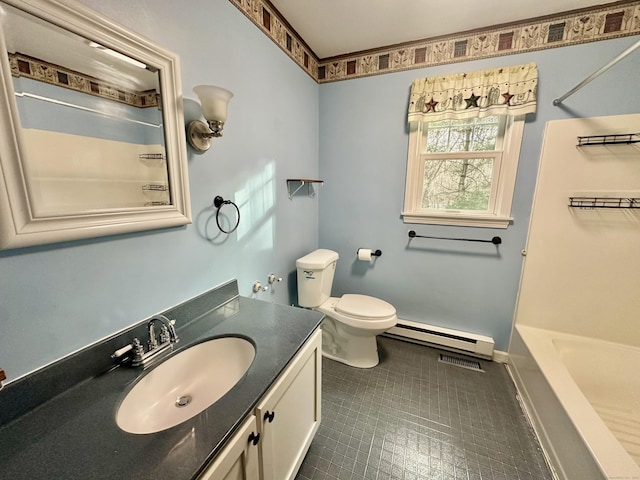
(462, 172)
(465, 132)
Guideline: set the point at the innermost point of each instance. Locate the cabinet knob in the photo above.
(269, 416)
(254, 438)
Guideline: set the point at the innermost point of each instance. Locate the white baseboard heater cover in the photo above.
(455, 340)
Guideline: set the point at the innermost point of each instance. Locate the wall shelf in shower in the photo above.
(302, 182)
(155, 187)
(615, 139)
(592, 203)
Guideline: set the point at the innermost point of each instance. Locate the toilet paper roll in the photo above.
(364, 254)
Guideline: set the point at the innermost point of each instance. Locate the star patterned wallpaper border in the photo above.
(615, 20)
(42, 71)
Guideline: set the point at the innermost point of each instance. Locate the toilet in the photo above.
(352, 321)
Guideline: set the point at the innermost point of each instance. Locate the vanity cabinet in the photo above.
(239, 459)
(273, 440)
(289, 414)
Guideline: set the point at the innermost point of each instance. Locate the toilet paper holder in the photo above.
(374, 253)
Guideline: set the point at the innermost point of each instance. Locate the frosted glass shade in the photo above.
(214, 101)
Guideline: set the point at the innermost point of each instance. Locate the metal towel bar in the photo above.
(494, 240)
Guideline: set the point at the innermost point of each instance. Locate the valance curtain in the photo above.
(497, 91)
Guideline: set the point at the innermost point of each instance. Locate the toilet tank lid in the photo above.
(364, 306)
(317, 259)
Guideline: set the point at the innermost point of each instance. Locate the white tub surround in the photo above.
(582, 400)
(575, 348)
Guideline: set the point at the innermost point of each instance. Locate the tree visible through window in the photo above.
(460, 182)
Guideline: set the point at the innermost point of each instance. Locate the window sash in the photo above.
(496, 156)
(425, 128)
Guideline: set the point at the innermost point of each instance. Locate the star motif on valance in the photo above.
(472, 101)
(507, 98)
(430, 107)
(508, 90)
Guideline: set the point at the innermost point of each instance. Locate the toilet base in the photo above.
(346, 362)
(341, 344)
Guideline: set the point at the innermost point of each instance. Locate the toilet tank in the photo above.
(315, 277)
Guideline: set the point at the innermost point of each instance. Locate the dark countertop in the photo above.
(74, 434)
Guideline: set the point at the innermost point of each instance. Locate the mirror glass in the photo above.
(94, 124)
(90, 119)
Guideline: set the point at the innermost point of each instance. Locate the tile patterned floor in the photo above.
(414, 418)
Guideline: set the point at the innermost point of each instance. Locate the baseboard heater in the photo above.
(445, 338)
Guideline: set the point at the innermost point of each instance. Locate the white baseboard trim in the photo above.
(500, 356)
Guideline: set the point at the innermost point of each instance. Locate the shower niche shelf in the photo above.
(302, 182)
(614, 139)
(593, 203)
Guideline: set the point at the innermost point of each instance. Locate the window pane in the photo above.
(473, 135)
(457, 184)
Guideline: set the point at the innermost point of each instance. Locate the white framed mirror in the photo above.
(92, 122)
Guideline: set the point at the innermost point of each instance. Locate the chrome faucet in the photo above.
(167, 331)
(168, 337)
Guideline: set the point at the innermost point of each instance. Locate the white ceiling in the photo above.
(335, 27)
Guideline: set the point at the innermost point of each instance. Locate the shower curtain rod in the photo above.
(85, 109)
(559, 100)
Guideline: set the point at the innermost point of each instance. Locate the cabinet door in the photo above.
(289, 415)
(239, 459)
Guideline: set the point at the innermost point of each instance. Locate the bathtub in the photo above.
(583, 398)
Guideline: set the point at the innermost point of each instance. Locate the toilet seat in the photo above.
(364, 307)
(382, 315)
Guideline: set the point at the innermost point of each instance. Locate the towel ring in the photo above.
(218, 202)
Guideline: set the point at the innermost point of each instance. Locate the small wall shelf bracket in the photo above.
(302, 182)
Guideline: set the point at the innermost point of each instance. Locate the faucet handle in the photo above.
(165, 336)
(138, 349)
(138, 352)
(121, 351)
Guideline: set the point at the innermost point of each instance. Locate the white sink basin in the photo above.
(184, 385)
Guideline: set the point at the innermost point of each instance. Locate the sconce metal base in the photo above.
(199, 136)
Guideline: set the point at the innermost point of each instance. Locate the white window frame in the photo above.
(505, 168)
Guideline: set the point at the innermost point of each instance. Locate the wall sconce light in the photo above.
(214, 102)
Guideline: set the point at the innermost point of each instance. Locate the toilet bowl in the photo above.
(352, 321)
(350, 327)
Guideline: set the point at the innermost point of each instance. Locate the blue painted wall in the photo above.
(59, 298)
(363, 155)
